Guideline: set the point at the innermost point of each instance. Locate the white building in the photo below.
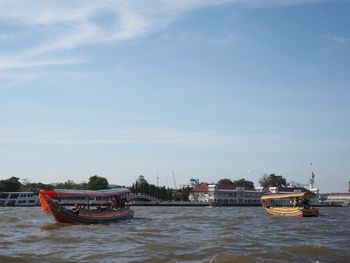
(225, 195)
(339, 198)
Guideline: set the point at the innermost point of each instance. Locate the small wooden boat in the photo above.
(291, 204)
(91, 207)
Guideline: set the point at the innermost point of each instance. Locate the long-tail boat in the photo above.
(291, 204)
(91, 207)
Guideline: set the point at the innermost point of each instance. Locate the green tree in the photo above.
(142, 186)
(35, 187)
(185, 193)
(272, 180)
(225, 181)
(244, 183)
(97, 182)
(10, 185)
(69, 184)
(83, 186)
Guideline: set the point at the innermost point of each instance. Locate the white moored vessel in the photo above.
(18, 199)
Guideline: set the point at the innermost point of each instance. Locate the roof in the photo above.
(233, 187)
(291, 195)
(201, 188)
(339, 194)
(266, 190)
(292, 189)
(66, 193)
(226, 187)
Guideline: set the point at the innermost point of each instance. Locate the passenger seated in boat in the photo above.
(114, 202)
(107, 207)
(76, 209)
(296, 202)
(305, 203)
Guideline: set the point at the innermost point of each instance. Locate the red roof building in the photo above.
(202, 188)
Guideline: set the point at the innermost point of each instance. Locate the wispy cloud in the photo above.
(62, 26)
(226, 39)
(274, 3)
(232, 142)
(87, 22)
(123, 136)
(13, 64)
(340, 40)
(10, 79)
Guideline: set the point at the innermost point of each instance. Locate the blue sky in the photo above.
(209, 89)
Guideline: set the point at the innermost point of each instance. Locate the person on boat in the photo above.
(305, 203)
(296, 202)
(291, 202)
(76, 209)
(115, 202)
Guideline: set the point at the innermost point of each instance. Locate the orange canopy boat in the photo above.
(90, 207)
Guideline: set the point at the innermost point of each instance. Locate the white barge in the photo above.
(18, 199)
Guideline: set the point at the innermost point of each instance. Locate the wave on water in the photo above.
(177, 234)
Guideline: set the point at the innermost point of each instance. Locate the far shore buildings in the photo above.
(234, 195)
(230, 194)
(342, 199)
(224, 194)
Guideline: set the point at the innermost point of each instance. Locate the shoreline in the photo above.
(181, 204)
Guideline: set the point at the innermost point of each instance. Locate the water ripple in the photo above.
(177, 234)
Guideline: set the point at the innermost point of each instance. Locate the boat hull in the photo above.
(64, 215)
(292, 211)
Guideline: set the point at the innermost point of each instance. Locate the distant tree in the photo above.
(83, 186)
(28, 186)
(225, 181)
(244, 183)
(272, 180)
(97, 182)
(69, 184)
(25, 181)
(142, 186)
(185, 193)
(35, 187)
(10, 185)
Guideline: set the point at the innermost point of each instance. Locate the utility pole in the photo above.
(174, 180)
(157, 179)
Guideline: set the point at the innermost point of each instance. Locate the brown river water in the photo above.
(178, 234)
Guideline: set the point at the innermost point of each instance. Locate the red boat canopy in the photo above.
(67, 193)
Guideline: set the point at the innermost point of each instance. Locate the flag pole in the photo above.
(312, 180)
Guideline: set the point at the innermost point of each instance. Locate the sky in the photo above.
(207, 89)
